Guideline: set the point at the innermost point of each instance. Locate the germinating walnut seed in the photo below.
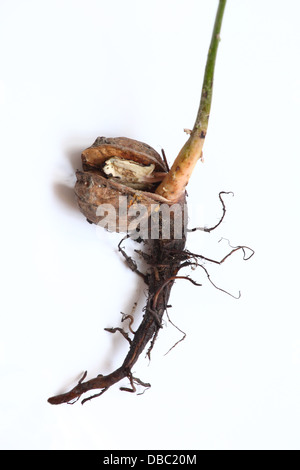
(164, 254)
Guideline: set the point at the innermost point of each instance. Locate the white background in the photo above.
(74, 70)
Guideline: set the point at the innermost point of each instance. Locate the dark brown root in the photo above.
(93, 396)
(131, 263)
(177, 328)
(120, 330)
(165, 258)
(234, 249)
(205, 229)
(134, 381)
(131, 320)
(197, 257)
(165, 159)
(148, 354)
(171, 279)
(208, 277)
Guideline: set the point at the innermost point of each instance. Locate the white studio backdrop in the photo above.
(75, 70)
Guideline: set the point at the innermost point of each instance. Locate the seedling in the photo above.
(127, 187)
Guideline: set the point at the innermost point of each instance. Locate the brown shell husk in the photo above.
(110, 204)
(123, 147)
(93, 190)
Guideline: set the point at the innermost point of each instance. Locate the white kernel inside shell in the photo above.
(128, 172)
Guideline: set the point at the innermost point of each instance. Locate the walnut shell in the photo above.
(106, 147)
(94, 189)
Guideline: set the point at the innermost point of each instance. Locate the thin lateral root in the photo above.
(133, 381)
(210, 229)
(173, 278)
(120, 330)
(131, 263)
(177, 328)
(93, 396)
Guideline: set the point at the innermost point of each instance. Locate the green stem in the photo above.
(173, 185)
(201, 122)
